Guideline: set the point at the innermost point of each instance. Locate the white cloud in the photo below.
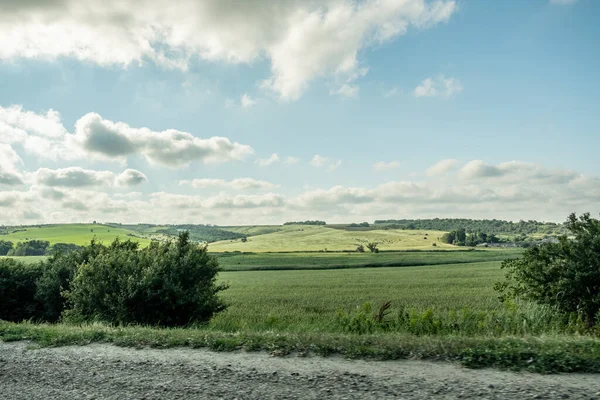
(302, 39)
(246, 101)
(386, 166)
(347, 90)
(515, 192)
(265, 162)
(441, 167)
(319, 161)
(391, 92)
(77, 177)
(237, 184)
(292, 160)
(98, 138)
(438, 86)
(9, 166)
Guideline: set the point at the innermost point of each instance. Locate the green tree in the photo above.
(5, 247)
(565, 275)
(168, 284)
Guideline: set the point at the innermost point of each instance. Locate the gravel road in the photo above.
(102, 371)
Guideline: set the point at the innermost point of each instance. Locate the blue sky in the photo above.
(338, 110)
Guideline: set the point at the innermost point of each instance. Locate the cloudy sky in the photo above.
(256, 112)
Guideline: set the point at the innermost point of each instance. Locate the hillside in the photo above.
(79, 234)
(317, 238)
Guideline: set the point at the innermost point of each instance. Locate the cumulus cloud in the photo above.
(237, 184)
(9, 166)
(99, 138)
(170, 148)
(246, 101)
(441, 167)
(513, 190)
(77, 177)
(265, 162)
(438, 86)
(292, 160)
(319, 161)
(386, 166)
(172, 34)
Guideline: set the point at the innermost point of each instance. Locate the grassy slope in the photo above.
(80, 234)
(315, 238)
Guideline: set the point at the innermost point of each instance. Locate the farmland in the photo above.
(323, 238)
(79, 234)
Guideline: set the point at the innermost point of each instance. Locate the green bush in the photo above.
(30, 248)
(17, 290)
(57, 274)
(563, 275)
(167, 284)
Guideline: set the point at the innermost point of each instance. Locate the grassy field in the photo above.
(28, 259)
(79, 234)
(315, 238)
(300, 301)
(292, 261)
(308, 311)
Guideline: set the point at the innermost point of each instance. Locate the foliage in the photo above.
(58, 248)
(564, 275)
(201, 233)
(17, 290)
(474, 225)
(372, 246)
(167, 284)
(360, 225)
(30, 248)
(5, 247)
(360, 248)
(58, 273)
(315, 222)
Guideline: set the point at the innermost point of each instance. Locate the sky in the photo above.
(236, 112)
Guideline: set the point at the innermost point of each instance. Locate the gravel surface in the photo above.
(102, 371)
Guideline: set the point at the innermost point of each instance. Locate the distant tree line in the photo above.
(491, 226)
(359, 225)
(460, 237)
(34, 248)
(316, 222)
(201, 233)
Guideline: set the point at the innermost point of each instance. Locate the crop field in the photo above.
(321, 260)
(316, 238)
(80, 234)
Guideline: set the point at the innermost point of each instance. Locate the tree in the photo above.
(565, 275)
(169, 284)
(360, 248)
(5, 247)
(372, 246)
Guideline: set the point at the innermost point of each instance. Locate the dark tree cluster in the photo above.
(474, 225)
(460, 237)
(168, 284)
(316, 222)
(564, 275)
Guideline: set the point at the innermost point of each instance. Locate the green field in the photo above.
(79, 234)
(318, 260)
(301, 301)
(316, 238)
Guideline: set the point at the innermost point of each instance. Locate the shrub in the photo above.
(564, 275)
(372, 246)
(57, 274)
(17, 290)
(166, 284)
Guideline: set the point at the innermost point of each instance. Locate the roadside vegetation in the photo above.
(534, 309)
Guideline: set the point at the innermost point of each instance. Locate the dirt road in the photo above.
(110, 372)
